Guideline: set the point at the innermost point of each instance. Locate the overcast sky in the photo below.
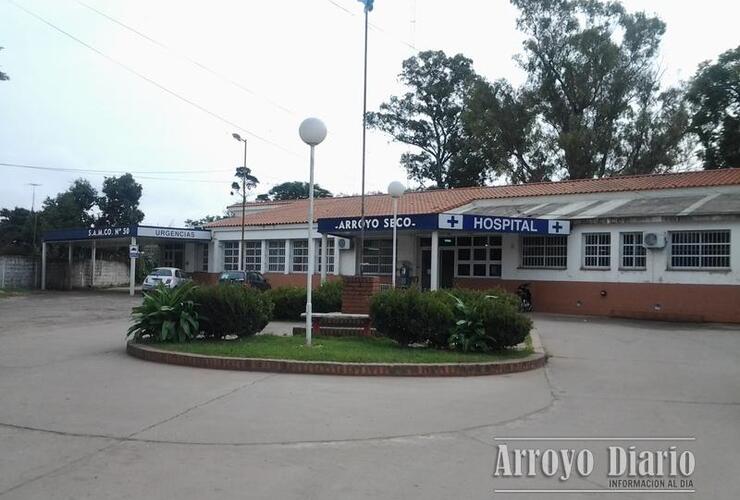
(256, 68)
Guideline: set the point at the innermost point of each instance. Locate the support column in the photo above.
(287, 259)
(434, 281)
(43, 265)
(94, 253)
(324, 256)
(240, 266)
(263, 257)
(132, 272)
(69, 266)
(336, 258)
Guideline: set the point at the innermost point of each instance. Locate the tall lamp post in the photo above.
(396, 190)
(312, 132)
(239, 138)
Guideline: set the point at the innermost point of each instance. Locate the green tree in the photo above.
(593, 79)
(119, 205)
(72, 208)
(16, 231)
(3, 76)
(195, 223)
(295, 190)
(714, 94)
(501, 125)
(428, 117)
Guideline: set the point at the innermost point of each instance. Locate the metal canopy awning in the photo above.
(124, 235)
(636, 206)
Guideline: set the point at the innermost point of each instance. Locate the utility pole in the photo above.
(361, 249)
(34, 185)
(244, 198)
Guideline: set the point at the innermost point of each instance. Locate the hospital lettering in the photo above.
(504, 224)
(174, 233)
(375, 223)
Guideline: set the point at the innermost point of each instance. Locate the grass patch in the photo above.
(344, 349)
(11, 292)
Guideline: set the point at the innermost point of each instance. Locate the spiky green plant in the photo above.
(166, 315)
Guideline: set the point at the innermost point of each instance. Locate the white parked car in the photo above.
(170, 277)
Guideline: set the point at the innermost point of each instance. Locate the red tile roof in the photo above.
(435, 201)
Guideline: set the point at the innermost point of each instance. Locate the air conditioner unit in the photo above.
(654, 240)
(343, 243)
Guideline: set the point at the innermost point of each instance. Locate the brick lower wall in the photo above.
(661, 301)
(275, 279)
(357, 292)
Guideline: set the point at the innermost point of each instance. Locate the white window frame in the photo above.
(204, 258)
(252, 255)
(330, 244)
(489, 245)
(701, 255)
(299, 256)
(548, 242)
(637, 248)
(276, 256)
(231, 256)
(383, 260)
(602, 245)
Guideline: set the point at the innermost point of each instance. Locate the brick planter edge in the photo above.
(531, 362)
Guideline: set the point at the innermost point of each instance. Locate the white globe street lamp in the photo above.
(312, 132)
(396, 190)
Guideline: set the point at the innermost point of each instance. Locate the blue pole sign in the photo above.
(378, 223)
(496, 224)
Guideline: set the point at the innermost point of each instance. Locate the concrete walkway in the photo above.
(80, 419)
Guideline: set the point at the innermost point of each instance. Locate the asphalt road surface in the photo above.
(81, 419)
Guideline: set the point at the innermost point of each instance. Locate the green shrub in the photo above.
(328, 297)
(166, 315)
(409, 316)
(487, 321)
(232, 310)
(290, 301)
(466, 320)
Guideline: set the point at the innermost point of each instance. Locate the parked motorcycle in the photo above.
(525, 297)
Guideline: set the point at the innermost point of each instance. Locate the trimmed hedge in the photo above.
(232, 310)
(290, 301)
(411, 316)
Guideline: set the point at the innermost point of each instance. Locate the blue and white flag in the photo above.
(368, 4)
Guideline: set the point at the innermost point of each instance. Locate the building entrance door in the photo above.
(174, 255)
(446, 268)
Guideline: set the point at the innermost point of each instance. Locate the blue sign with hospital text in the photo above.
(497, 224)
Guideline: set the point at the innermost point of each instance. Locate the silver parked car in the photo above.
(170, 277)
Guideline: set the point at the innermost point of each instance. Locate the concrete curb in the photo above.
(531, 362)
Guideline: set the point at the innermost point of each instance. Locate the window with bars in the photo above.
(252, 255)
(597, 250)
(633, 252)
(378, 256)
(231, 255)
(549, 252)
(478, 256)
(299, 256)
(700, 249)
(276, 256)
(330, 242)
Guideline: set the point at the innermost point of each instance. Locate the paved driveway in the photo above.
(80, 419)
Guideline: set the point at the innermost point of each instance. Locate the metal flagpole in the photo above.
(361, 249)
